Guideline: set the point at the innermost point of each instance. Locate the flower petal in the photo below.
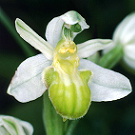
(14, 126)
(33, 38)
(3, 131)
(125, 31)
(106, 85)
(129, 56)
(27, 127)
(92, 46)
(27, 84)
(53, 31)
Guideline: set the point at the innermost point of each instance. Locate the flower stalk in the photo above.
(111, 58)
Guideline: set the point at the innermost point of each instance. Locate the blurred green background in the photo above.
(110, 118)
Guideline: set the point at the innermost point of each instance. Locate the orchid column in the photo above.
(71, 81)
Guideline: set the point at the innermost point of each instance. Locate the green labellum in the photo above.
(69, 94)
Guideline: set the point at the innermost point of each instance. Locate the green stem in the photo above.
(110, 59)
(71, 127)
(10, 27)
(53, 122)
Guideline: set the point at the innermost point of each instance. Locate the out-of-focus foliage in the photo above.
(103, 16)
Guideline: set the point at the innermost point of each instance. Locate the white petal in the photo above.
(125, 31)
(33, 38)
(27, 127)
(26, 84)
(92, 46)
(3, 131)
(106, 85)
(129, 55)
(53, 31)
(12, 126)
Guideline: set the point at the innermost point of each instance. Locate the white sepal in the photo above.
(33, 38)
(125, 31)
(84, 25)
(129, 55)
(3, 131)
(53, 31)
(27, 126)
(90, 47)
(73, 17)
(106, 85)
(27, 85)
(13, 126)
(54, 27)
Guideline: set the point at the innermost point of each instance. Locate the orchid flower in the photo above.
(13, 126)
(124, 41)
(72, 82)
(124, 35)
